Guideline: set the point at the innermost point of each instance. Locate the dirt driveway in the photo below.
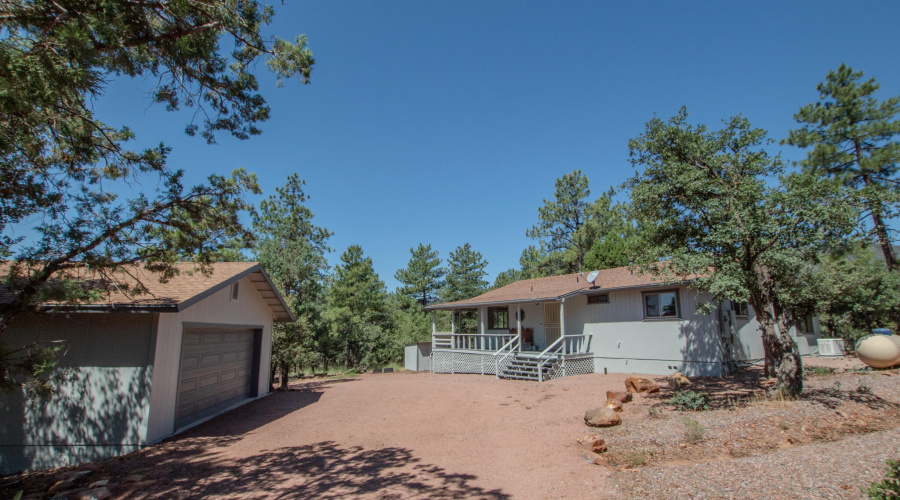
(420, 435)
(400, 435)
(397, 435)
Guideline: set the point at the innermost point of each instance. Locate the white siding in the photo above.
(623, 341)
(250, 310)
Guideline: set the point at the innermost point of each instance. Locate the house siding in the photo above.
(101, 404)
(249, 311)
(624, 341)
(748, 346)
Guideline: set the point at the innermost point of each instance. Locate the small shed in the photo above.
(417, 357)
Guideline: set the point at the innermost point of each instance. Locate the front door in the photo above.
(551, 322)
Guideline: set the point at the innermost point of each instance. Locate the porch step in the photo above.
(526, 368)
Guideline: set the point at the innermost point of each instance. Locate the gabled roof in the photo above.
(185, 289)
(555, 288)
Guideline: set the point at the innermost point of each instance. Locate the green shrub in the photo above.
(636, 459)
(655, 412)
(690, 401)
(693, 431)
(819, 371)
(889, 487)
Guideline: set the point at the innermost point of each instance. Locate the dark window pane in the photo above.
(652, 305)
(667, 301)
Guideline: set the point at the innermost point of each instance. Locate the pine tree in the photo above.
(853, 139)
(423, 277)
(357, 310)
(465, 278)
(562, 224)
(292, 250)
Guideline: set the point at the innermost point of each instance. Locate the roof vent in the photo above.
(234, 290)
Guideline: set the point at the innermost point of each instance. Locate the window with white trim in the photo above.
(660, 305)
(498, 318)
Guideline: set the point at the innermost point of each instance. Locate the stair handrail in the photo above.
(507, 345)
(556, 351)
(511, 345)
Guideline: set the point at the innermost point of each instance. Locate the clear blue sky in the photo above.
(447, 122)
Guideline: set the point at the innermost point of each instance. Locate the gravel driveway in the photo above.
(420, 435)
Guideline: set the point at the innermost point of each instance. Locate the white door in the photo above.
(551, 322)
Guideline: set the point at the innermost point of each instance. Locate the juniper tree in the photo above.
(724, 213)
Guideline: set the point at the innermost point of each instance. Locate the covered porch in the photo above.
(526, 340)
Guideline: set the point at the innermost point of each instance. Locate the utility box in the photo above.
(831, 347)
(417, 357)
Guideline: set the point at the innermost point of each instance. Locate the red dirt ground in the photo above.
(400, 435)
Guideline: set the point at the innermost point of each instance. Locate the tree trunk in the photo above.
(790, 365)
(285, 373)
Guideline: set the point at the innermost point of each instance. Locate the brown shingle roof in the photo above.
(555, 287)
(188, 287)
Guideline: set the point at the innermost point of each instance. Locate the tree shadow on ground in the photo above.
(323, 470)
(748, 385)
(258, 413)
(723, 392)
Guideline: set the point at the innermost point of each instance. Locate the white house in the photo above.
(619, 322)
(136, 369)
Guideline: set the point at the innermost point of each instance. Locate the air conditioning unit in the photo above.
(831, 347)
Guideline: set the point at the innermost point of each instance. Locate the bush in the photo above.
(693, 431)
(819, 371)
(690, 401)
(889, 487)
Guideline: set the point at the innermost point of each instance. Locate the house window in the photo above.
(498, 318)
(741, 309)
(598, 299)
(661, 305)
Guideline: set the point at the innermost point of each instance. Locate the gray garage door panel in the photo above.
(216, 372)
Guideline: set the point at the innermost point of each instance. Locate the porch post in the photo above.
(433, 327)
(452, 322)
(480, 311)
(562, 324)
(519, 328)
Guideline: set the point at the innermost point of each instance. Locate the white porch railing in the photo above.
(470, 341)
(502, 356)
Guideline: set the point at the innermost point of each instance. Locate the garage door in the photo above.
(216, 372)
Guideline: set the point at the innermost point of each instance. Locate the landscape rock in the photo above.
(614, 404)
(61, 486)
(593, 458)
(602, 417)
(592, 442)
(622, 397)
(637, 384)
(678, 379)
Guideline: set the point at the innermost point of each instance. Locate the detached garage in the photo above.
(138, 369)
